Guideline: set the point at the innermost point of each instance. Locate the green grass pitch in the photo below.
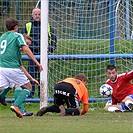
(95, 121)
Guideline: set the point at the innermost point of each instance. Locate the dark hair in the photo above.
(111, 67)
(81, 77)
(11, 23)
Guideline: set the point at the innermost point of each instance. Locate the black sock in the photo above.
(53, 108)
(72, 112)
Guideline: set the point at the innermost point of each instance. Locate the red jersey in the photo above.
(122, 86)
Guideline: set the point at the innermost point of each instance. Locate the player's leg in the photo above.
(69, 111)
(113, 108)
(25, 92)
(16, 93)
(128, 101)
(58, 100)
(124, 108)
(20, 99)
(72, 106)
(7, 77)
(53, 108)
(21, 106)
(3, 96)
(18, 78)
(69, 97)
(4, 84)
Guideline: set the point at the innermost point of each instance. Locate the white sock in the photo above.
(112, 109)
(127, 102)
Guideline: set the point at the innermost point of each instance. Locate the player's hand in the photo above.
(35, 82)
(40, 67)
(84, 110)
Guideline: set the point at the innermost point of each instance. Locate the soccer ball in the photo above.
(106, 90)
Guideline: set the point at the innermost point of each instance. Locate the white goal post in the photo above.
(44, 55)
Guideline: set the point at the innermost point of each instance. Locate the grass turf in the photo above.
(95, 121)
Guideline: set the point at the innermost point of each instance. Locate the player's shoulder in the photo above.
(5, 34)
(18, 34)
(122, 74)
(125, 74)
(130, 72)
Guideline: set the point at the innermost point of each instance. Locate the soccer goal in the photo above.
(90, 35)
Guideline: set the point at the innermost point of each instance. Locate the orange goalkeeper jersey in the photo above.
(80, 88)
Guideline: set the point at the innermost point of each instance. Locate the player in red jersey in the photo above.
(122, 90)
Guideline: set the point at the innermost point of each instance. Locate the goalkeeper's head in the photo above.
(82, 77)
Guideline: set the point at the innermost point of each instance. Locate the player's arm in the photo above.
(84, 101)
(84, 110)
(114, 100)
(28, 52)
(129, 75)
(29, 76)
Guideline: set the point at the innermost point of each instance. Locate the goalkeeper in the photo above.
(69, 92)
(122, 90)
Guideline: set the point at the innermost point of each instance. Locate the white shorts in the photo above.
(12, 76)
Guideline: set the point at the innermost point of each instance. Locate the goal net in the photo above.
(92, 28)
(90, 35)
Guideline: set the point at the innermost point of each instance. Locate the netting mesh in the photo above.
(82, 27)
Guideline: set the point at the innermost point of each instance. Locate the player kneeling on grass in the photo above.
(122, 90)
(69, 91)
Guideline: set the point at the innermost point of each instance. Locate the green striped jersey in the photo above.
(10, 44)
